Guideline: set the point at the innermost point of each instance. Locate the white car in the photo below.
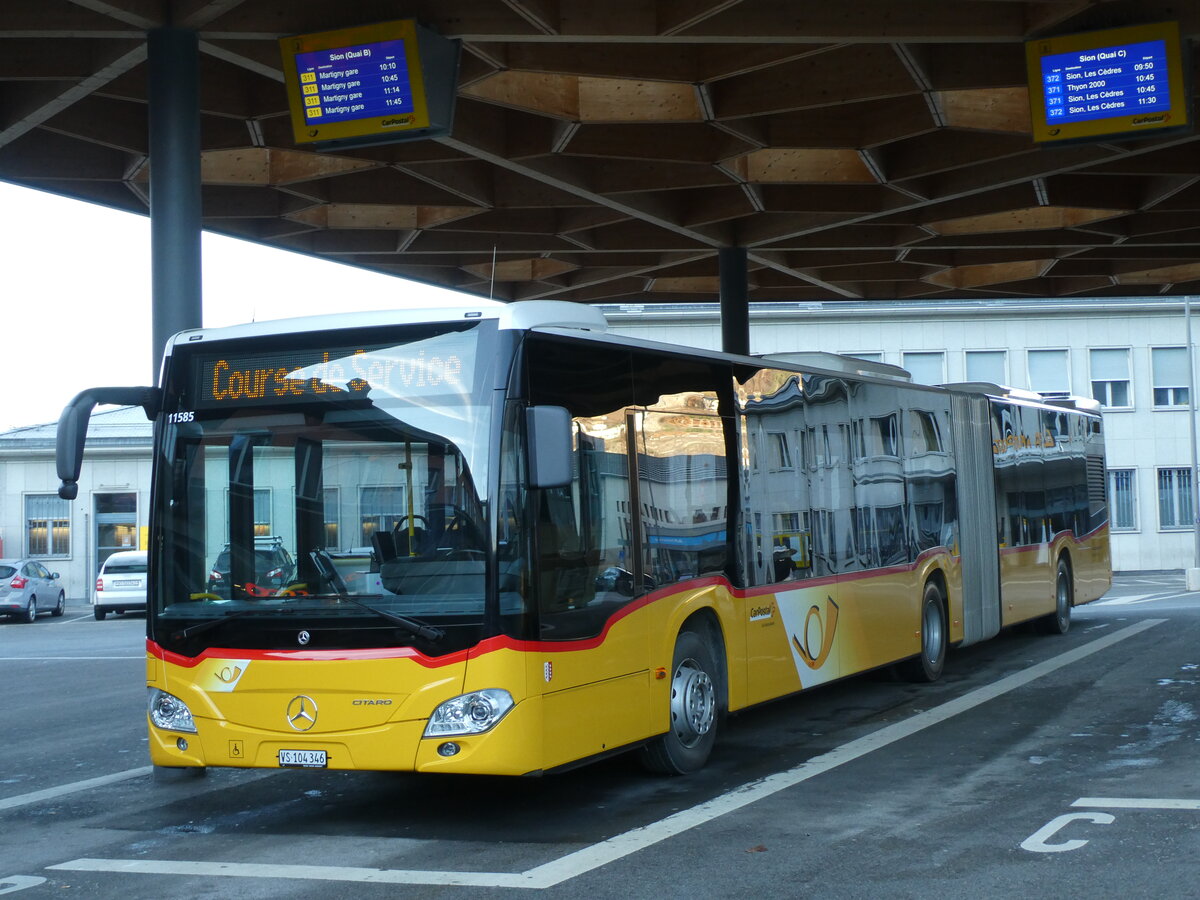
(121, 584)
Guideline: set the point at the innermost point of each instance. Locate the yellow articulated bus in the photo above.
(502, 541)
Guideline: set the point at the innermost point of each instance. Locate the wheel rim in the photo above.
(62, 602)
(1062, 599)
(693, 703)
(931, 628)
(32, 609)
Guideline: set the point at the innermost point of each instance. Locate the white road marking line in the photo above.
(582, 861)
(311, 873)
(63, 658)
(1122, 601)
(1135, 803)
(63, 789)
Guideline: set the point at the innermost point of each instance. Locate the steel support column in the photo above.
(174, 89)
(735, 305)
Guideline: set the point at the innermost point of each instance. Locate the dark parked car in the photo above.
(614, 578)
(274, 568)
(28, 588)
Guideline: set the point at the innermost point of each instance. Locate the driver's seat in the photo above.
(403, 546)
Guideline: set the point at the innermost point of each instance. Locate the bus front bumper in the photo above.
(512, 747)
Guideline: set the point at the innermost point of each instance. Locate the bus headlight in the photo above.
(472, 713)
(170, 713)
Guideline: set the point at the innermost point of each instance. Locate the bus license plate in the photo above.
(305, 759)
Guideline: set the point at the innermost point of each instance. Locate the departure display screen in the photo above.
(370, 84)
(1104, 85)
(1106, 82)
(354, 82)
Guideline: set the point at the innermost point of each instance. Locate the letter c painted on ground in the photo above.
(1038, 841)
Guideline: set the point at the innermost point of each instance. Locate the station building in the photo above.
(1130, 354)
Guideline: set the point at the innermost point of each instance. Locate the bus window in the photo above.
(585, 570)
(682, 492)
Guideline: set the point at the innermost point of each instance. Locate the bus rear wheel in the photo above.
(928, 664)
(693, 711)
(1059, 621)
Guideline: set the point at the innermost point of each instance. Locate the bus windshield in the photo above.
(324, 487)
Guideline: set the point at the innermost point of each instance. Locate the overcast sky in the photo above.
(76, 297)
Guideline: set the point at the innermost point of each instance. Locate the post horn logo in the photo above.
(302, 713)
(818, 636)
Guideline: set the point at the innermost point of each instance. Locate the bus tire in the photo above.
(1059, 621)
(927, 665)
(694, 710)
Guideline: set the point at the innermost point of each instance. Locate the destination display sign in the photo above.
(443, 364)
(370, 84)
(1107, 84)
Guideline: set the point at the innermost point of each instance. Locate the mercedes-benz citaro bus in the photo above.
(518, 543)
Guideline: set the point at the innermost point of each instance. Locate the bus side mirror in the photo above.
(549, 429)
(73, 423)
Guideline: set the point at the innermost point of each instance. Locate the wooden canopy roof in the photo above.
(604, 150)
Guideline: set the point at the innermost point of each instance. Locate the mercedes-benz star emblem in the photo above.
(303, 638)
(302, 713)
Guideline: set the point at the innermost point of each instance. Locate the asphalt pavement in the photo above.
(1060, 766)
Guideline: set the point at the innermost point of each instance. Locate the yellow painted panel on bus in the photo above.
(881, 620)
(595, 718)
(504, 668)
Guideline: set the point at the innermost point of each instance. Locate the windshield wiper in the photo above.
(201, 627)
(326, 570)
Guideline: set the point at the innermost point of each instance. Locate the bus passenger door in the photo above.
(593, 642)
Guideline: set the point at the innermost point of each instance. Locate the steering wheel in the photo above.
(460, 521)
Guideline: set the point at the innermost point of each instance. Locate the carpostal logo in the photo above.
(397, 121)
(1160, 119)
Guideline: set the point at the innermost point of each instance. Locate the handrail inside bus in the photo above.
(73, 424)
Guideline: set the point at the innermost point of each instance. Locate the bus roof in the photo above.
(516, 316)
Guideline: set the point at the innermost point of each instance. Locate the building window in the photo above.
(262, 512)
(1048, 372)
(990, 366)
(1174, 498)
(382, 509)
(1122, 500)
(330, 500)
(925, 367)
(781, 454)
(47, 525)
(1110, 377)
(1169, 366)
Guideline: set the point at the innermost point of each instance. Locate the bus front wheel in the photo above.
(928, 664)
(693, 711)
